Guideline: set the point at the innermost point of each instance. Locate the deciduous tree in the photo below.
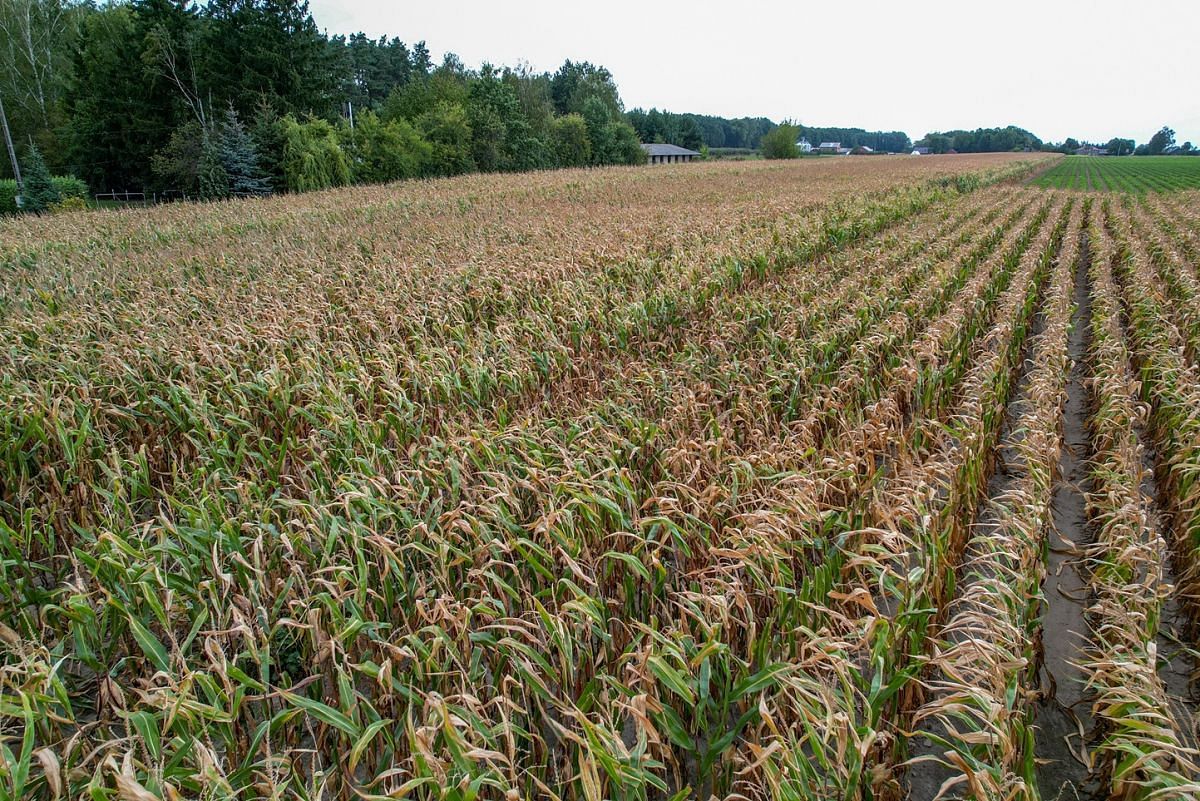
(385, 151)
(781, 142)
(1119, 147)
(569, 137)
(1160, 141)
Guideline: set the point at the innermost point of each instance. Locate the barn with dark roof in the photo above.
(668, 154)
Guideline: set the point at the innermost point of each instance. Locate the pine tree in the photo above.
(39, 193)
(239, 157)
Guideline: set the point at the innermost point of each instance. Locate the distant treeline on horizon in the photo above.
(696, 130)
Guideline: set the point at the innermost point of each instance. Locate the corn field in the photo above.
(743, 480)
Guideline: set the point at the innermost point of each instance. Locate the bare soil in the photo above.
(1063, 715)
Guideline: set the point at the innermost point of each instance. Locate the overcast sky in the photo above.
(1092, 70)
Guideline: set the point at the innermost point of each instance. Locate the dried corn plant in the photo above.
(1163, 310)
(503, 486)
(979, 709)
(1142, 752)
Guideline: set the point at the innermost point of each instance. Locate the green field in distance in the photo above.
(1123, 173)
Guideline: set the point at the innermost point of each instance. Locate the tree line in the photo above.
(696, 131)
(249, 96)
(881, 141)
(981, 140)
(1162, 143)
(699, 131)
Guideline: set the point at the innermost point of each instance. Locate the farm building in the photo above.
(804, 146)
(862, 150)
(1090, 150)
(668, 154)
(920, 151)
(833, 148)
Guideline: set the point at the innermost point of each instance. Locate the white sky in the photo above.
(1092, 70)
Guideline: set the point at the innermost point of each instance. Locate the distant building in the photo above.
(862, 150)
(920, 151)
(829, 147)
(1090, 150)
(804, 146)
(668, 154)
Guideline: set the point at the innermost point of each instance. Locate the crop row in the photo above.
(978, 709)
(1142, 750)
(935, 497)
(845, 659)
(1132, 174)
(1160, 305)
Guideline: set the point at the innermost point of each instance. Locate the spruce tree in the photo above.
(239, 157)
(39, 193)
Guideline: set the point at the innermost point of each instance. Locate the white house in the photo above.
(804, 146)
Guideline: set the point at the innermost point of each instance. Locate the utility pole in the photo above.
(12, 153)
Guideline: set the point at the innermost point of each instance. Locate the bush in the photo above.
(68, 187)
(733, 153)
(69, 204)
(384, 151)
(8, 196)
